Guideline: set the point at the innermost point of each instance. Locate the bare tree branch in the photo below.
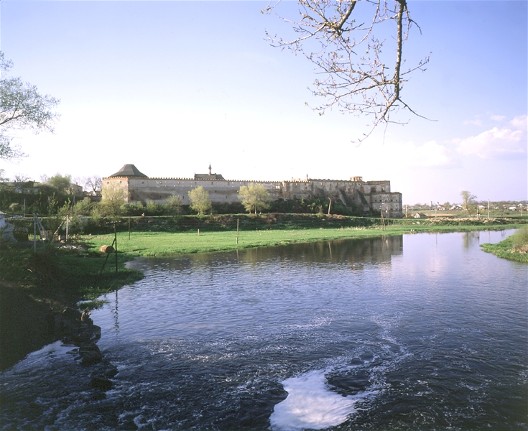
(353, 72)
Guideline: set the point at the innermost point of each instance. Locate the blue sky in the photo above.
(173, 86)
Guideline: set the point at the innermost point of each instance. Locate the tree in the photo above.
(173, 204)
(60, 183)
(254, 197)
(200, 201)
(112, 200)
(21, 107)
(93, 184)
(467, 199)
(348, 48)
(83, 207)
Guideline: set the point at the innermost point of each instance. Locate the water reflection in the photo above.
(366, 251)
(396, 333)
(353, 251)
(471, 239)
(116, 312)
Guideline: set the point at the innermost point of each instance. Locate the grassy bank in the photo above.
(77, 270)
(60, 275)
(35, 286)
(515, 247)
(166, 244)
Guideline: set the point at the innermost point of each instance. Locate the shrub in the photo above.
(520, 240)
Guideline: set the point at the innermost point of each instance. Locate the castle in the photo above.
(374, 197)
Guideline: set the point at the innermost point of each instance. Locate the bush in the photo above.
(520, 240)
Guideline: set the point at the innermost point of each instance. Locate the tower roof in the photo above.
(129, 171)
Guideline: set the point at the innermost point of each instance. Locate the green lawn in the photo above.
(166, 244)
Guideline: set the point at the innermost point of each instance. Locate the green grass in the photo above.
(15, 265)
(61, 276)
(167, 244)
(67, 275)
(515, 247)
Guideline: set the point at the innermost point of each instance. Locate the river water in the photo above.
(413, 332)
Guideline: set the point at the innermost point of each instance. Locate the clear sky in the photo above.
(174, 86)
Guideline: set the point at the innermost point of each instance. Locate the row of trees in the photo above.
(254, 198)
(56, 196)
(46, 197)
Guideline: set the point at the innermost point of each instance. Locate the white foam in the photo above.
(43, 356)
(310, 404)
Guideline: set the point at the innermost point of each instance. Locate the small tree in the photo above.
(113, 199)
(21, 107)
(93, 184)
(467, 199)
(200, 201)
(60, 183)
(83, 207)
(173, 204)
(153, 208)
(254, 197)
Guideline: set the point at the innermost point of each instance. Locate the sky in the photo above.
(174, 87)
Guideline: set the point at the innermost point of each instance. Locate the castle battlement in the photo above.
(134, 186)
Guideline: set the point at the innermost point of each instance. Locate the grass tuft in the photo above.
(515, 247)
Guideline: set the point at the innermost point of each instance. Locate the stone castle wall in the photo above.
(372, 196)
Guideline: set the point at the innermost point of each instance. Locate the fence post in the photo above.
(115, 246)
(34, 232)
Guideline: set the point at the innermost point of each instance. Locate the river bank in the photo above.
(34, 287)
(513, 248)
(228, 340)
(163, 243)
(37, 288)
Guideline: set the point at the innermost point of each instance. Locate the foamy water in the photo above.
(310, 404)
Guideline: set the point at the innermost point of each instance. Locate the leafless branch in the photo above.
(353, 72)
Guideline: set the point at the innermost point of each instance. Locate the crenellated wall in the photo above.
(372, 196)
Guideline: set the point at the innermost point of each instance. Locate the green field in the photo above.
(166, 244)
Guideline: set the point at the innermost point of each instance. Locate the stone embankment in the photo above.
(27, 324)
(78, 329)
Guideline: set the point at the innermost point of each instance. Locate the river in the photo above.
(412, 332)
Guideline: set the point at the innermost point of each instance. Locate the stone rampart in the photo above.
(372, 196)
